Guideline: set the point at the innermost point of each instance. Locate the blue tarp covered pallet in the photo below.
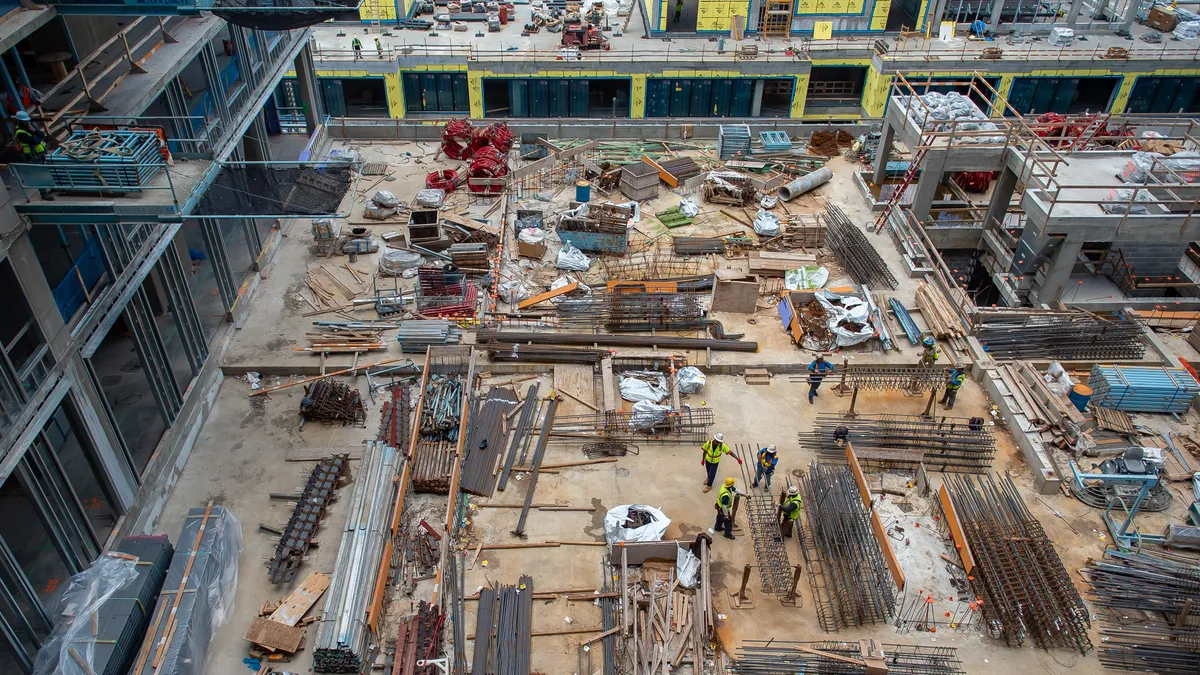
(1143, 388)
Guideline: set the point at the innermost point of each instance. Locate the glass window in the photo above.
(82, 470)
(20, 336)
(26, 534)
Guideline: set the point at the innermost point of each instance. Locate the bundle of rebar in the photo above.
(521, 437)
(1027, 594)
(396, 417)
(953, 444)
(762, 657)
(306, 517)
(854, 251)
(418, 639)
(485, 441)
(1075, 335)
(489, 336)
(432, 466)
(605, 449)
(878, 377)
(414, 556)
(343, 637)
(689, 425)
(762, 513)
(441, 407)
(698, 245)
(503, 629)
(331, 401)
(846, 568)
(1147, 602)
(633, 312)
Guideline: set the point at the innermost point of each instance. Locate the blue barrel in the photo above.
(1080, 395)
(583, 191)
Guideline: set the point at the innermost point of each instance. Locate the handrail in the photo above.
(703, 53)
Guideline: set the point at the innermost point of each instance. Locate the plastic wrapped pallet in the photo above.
(1062, 37)
(197, 595)
(1186, 30)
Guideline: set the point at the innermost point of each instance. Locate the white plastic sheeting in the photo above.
(805, 278)
(953, 106)
(615, 530)
(571, 258)
(766, 223)
(646, 415)
(848, 318)
(690, 379)
(643, 386)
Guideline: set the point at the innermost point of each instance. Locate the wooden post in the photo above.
(733, 511)
(741, 599)
(792, 597)
(929, 404)
(853, 400)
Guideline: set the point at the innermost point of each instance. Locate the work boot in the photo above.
(754, 484)
(707, 488)
(730, 536)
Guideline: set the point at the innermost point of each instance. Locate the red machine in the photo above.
(583, 36)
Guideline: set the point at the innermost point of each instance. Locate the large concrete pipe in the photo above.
(805, 183)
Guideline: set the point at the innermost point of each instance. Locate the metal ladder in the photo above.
(914, 168)
(1089, 132)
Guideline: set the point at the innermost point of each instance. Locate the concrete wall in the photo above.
(1150, 259)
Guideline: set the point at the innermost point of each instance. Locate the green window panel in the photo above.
(681, 98)
(462, 96)
(412, 93)
(658, 97)
(560, 98)
(429, 92)
(539, 98)
(518, 98)
(701, 95)
(722, 90)
(742, 98)
(335, 101)
(580, 92)
(1164, 95)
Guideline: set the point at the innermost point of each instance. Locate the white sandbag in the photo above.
(375, 212)
(385, 199)
(646, 415)
(571, 258)
(512, 291)
(1186, 30)
(688, 208)
(1057, 379)
(806, 278)
(1061, 37)
(393, 262)
(646, 386)
(431, 198)
(690, 380)
(615, 530)
(532, 235)
(686, 567)
(766, 223)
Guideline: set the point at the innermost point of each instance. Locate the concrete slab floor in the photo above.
(239, 459)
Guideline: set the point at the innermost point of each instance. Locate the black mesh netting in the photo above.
(258, 190)
(285, 14)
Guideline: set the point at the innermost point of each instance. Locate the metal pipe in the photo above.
(805, 183)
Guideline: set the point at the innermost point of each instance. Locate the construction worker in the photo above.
(678, 10)
(789, 511)
(930, 355)
(767, 459)
(379, 47)
(725, 509)
(712, 451)
(357, 45)
(32, 142)
(840, 435)
(953, 382)
(817, 370)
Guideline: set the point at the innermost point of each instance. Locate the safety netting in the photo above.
(266, 190)
(285, 14)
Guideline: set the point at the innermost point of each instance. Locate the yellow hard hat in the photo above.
(729, 482)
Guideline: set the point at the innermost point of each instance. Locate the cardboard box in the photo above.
(1162, 19)
(535, 251)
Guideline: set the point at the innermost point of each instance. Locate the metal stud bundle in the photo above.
(306, 517)
(1027, 594)
(1143, 388)
(344, 638)
(854, 251)
(415, 336)
(846, 567)
(1146, 599)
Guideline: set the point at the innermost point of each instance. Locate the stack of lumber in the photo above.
(938, 314)
(1053, 416)
(665, 623)
(804, 231)
(772, 264)
(333, 286)
(279, 628)
(343, 341)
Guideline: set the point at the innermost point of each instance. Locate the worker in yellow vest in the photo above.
(724, 507)
(32, 142)
(789, 511)
(711, 458)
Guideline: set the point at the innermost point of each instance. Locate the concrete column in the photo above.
(927, 185)
(37, 294)
(994, 23)
(886, 140)
(1057, 274)
(310, 96)
(254, 142)
(1073, 12)
(756, 99)
(1130, 14)
(1002, 193)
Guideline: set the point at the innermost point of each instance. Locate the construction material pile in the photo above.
(948, 444)
(346, 634)
(503, 628)
(1143, 388)
(854, 251)
(330, 401)
(666, 608)
(306, 518)
(768, 657)
(197, 594)
(951, 111)
(1044, 335)
(419, 639)
(1026, 592)
(845, 562)
(647, 423)
(762, 513)
(1145, 600)
(485, 440)
(633, 312)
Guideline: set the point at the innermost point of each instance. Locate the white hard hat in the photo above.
(793, 490)
(720, 437)
(23, 116)
(771, 447)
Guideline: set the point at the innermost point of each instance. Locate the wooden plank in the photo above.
(956, 531)
(574, 377)
(274, 635)
(306, 380)
(299, 601)
(859, 477)
(542, 297)
(317, 454)
(889, 554)
(608, 383)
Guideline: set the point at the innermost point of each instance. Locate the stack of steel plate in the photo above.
(1143, 388)
(121, 621)
(197, 593)
(733, 140)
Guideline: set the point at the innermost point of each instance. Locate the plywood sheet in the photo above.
(299, 601)
(577, 380)
(735, 296)
(274, 635)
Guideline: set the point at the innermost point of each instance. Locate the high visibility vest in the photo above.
(791, 507)
(956, 382)
(713, 451)
(725, 498)
(357, 44)
(30, 145)
(767, 461)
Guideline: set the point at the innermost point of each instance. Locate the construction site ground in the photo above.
(241, 456)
